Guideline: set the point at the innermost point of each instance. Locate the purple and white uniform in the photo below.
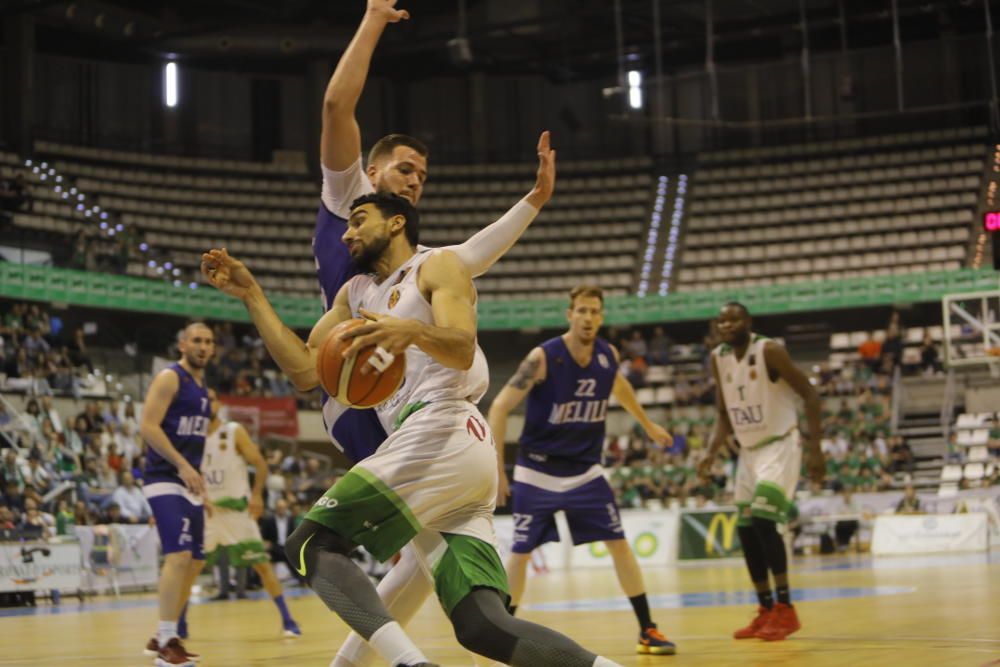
(559, 459)
(357, 433)
(180, 517)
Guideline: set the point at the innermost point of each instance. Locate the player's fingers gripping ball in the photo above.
(342, 378)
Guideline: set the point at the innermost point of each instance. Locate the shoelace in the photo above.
(656, 634)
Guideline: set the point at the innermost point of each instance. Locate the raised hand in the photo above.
(545, 181)
(226, 273)
(386, 10)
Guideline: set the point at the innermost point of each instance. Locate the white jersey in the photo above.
(426, 381)
(224, 469)
(761, 411)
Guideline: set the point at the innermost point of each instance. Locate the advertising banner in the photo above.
(929, 533)
(119, 553)
(652, 534)
(264, 416)
(709, 534)
(39, 566)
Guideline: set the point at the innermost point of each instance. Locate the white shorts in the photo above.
(237, 533)
(766, 478)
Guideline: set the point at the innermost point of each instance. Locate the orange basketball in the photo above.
(342, 379)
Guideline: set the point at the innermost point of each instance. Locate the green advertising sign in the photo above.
(709, 534)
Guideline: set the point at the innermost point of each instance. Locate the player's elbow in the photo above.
(335, 107)
(304, 381)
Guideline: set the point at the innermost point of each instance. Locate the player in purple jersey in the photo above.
(398, 164)
(567, 381)
(175, 418)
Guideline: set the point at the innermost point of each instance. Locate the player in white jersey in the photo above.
(756, 388)
(232, 525)
(434, 477)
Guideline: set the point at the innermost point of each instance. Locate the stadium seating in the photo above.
(812, 212)
(265, 213)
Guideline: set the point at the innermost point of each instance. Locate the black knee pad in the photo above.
(309, 540)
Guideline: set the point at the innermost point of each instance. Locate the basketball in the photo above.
(342, 378)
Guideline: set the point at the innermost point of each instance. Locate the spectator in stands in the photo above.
(82, 516)
(870, 352)
(15, 194)
(113, 514)
(635, 346)
(659, 346)
(34, 473)
(6, 518)
(78, 353)
(275, 529)
(930, 363)
(910, 503)
(11, 472)
(35, 518)
(901, 455)
(79, 437)
(130, 499)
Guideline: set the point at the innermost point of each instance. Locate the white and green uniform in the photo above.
(765, 423)
(435, 474)
(229, 526)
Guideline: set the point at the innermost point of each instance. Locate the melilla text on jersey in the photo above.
(192, 426)
(579, 412)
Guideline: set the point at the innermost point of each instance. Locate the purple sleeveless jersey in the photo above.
(359, 431)
(186, 425)
(564, 421)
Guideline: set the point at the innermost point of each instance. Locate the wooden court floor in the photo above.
(913, 611)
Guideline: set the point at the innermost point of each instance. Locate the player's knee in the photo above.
(308, 540)
(482, 625)
(178, 559)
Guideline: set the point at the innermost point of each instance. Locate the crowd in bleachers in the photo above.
(37, 354)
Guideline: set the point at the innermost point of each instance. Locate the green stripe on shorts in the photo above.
(363, 509)
(241, 554)
(770, 502)
(467, 564)
(743, 514)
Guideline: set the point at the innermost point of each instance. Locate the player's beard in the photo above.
(370, 255)
(193, 362)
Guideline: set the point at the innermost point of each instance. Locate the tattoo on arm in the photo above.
(525, 375)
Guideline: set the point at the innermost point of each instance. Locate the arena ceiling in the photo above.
(562, 39)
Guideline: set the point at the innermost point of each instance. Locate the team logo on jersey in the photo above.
(393, 298)
(603, 360)
(753, 374)
(475, 428)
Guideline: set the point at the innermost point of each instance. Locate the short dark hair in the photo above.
(586, 290)
(389, 205)
(384, 146)
(737, 304)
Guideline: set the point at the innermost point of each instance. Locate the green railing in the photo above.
(99, 290)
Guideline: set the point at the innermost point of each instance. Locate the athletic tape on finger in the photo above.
(381, 358)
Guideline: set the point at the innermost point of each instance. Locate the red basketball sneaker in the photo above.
(759, 621)
(174, 655)
(153, 648)
(781, 622)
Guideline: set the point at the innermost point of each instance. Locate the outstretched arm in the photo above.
(340, 143)
(488, 245)
(531, 371)
(625, 393)
(296, 358)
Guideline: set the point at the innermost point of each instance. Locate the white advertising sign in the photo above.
(929, 533)
(39, 566)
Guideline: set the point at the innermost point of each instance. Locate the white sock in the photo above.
(604, 662)
(341, 661)
(165, 632)
(392, 644)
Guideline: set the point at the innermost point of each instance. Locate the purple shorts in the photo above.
(181, 525)
(591, 512)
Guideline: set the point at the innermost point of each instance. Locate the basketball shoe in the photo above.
(781, 622)
(291, 629)
(173, 655)
(153, 648)
(759, 621)
(653, 642)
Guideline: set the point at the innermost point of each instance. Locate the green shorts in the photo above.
(363, 509)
